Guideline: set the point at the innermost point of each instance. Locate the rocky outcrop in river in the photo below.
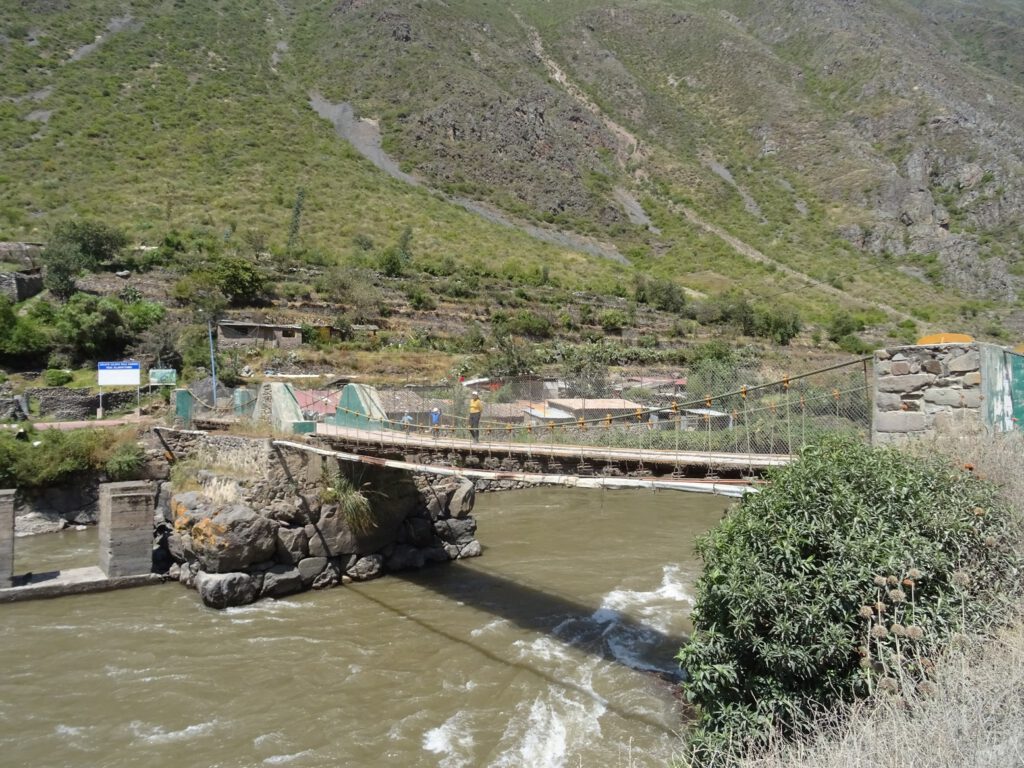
(236, 551)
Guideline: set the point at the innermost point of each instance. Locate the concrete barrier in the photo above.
(126, 528)
(6, 538)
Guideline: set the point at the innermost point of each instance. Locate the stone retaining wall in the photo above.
(65, 404)
(266, 522)
(19, 286)
(921, 390)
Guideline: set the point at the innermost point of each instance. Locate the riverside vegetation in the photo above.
(858, 574)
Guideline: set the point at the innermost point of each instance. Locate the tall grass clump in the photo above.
(845, 577)
(352, 503)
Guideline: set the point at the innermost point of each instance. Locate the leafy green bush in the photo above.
(97, 242)
(61, 457)
(124, 462)
(419, 298)
(841, 577)
(613, 320)
(56, 378)
(522, 323)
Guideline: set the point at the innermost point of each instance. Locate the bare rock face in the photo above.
(232, 538)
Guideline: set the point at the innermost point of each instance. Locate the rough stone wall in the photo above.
(9, 410)
(67, 404)
(921, 390)
(19, 286)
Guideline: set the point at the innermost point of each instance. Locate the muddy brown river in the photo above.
(550, 650)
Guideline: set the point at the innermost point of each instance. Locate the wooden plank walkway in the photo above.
(413, 441)
(734, 489)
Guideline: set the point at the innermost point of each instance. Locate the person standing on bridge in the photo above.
(435, 420)
(476, 408)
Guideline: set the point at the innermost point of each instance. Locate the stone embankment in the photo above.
(926, 389)
(267, 522)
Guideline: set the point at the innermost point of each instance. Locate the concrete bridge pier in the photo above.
(6, 538)
(126, 528)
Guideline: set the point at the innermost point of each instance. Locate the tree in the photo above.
(396, 257)
(240, 281)
(23, 340)
(585, 367)
(97, 242)
(293, 229)
(62, 263)
(91, 328)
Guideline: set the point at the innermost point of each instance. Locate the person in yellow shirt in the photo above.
(476, 407)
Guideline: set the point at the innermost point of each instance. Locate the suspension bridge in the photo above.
(706, 432)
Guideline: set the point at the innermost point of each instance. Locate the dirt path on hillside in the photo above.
(753, 254)
(630, 149)
(364, 136)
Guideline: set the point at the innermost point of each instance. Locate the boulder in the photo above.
(233, 538)
(292, 544)
(187, 509)
(456, 531)
(417, 531)
(405, 558)
(223, 590)
(366, 568)
(334, 535)
(463, 499)
(310, 568)
(330, 576)
(472, 549)
(281, 580)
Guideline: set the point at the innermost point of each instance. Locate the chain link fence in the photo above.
(715, 408)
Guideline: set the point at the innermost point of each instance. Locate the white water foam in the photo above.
(157, 734)
(655, 607)
(544, 732)
(453, 740)
(489, 627)
(285, 759)
(69, 730)
(633, 622)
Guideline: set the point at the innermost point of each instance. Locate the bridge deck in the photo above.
(412, 441)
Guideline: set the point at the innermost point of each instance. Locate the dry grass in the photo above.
(971, 716)
(998, 458)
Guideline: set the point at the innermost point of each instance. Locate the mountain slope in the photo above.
(872, 149)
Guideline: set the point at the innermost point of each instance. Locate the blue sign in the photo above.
(127, 365)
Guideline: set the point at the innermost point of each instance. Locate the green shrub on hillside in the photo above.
(838, 580)
(61, 457)
(56, 378)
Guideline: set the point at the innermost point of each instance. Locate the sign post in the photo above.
(118, 374)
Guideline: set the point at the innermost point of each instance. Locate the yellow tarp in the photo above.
(945, 338)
